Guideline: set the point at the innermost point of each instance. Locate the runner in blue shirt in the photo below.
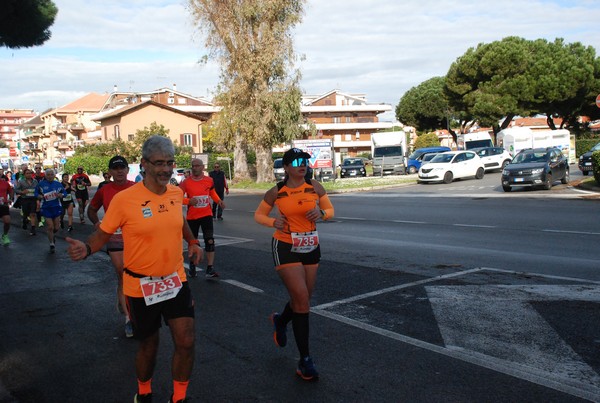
(49, 194)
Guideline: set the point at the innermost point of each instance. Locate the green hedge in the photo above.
(596, 165)
(582, 146)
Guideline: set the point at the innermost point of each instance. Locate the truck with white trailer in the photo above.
(515, 139)
(388, 150)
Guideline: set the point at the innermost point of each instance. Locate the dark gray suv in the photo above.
(536, 167)
(585, 160)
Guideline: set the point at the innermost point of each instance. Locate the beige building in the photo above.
(185, 129)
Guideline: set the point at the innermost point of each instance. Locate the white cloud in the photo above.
(380, 48)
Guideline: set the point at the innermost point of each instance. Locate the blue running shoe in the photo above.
(279, 332)
(306, 369)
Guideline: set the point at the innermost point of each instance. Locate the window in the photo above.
(187, 139)
(130, 137)
(336, 119)
(117, 133)
(347, 137)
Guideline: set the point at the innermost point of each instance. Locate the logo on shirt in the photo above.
(162, 208)
(147, 212)
(145, 203)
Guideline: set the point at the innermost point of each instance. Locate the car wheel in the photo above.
(479, 174)
(584, 173)
(448, 176)
(505, 163)
(506, 188)
(173, 182)
(565, 179)
(548, 183)
(412, 170)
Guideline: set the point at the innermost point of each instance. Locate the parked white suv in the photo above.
(493, 158)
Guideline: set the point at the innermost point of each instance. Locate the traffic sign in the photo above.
(24, 158)
(598, 101)
(63, 161)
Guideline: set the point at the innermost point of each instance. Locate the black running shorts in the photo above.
(283, 255)
(146, 318)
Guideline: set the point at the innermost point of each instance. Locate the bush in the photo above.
(596, 165)
(427, 140)
(582, 146)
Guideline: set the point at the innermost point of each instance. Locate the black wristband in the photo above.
(88, 250)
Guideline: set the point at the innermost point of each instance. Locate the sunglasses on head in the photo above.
(299, 162)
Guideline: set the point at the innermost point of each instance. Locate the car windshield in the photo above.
(278, 163)
(427, 157)
(596, 147)
(531, 156)
(442, 158)
(415, 155)
(353, 163)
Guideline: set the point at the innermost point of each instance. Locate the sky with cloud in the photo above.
(380, 48)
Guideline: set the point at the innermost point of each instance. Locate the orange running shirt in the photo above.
(199, 189)
(152, 228)
(293, 203)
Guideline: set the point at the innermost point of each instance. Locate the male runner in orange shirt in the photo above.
(198, 187)
(154, 282)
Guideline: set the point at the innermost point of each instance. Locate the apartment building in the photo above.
(347, 119)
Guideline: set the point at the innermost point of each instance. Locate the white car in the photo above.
(450, 165)
(494, 158)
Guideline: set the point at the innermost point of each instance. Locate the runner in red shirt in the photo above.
(198, 190)
(6, 193)
(81, 182)
(118, 169)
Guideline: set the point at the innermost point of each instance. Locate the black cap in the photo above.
(117, 161)
(292, 154)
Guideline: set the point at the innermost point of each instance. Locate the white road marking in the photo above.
(498, 321)
(547, 361)
(570, 232)
(409, 222)
(474, 226)
(394, 288)
(578, 389)
(243, 286)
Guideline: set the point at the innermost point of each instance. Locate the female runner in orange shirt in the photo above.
(296, 250)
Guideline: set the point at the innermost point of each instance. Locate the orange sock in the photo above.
(179, 390)
(144, 387)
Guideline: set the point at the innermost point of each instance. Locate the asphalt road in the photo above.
(391, 321)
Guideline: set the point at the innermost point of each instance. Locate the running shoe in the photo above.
(40, 224)
(52, 248)
(179, 401)
(306, 369)
(32, 232)
(192, 270)
(128, 329)
(25, 225)
(211, 274)
(5, 240)
(279, 332)
(142, 398)
(70, 228)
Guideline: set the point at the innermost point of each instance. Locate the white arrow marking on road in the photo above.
(498, 321)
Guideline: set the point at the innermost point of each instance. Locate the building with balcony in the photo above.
(10, 120)
(347, 119)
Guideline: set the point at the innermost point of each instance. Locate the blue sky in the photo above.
(380, 48)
